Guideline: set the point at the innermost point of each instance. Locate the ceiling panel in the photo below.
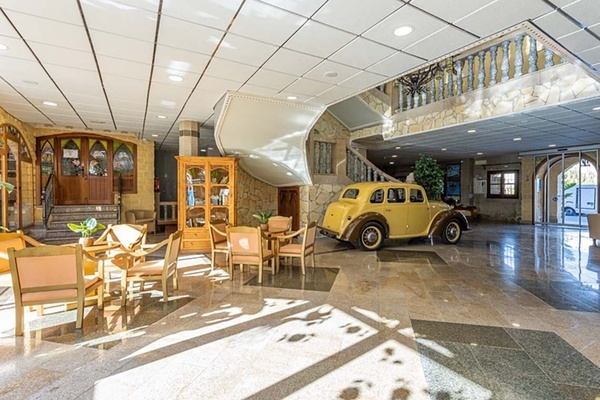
(336, 93)
(266, 23)
(396, 65)
(18, 72)
(59, 10)
(188, 36)
(362, 53)
(16, 49)
(423, 23)
(303, 7)
(245, 51)
(450, 11)
(120, 19)
(310, 39)
(119, 87)
(213, 84)
(230, 70)
(355, 16)
(322, 72)
(116, 46)
(71, 80)
(430, 48)
(51, 32)
(162, 75)
(579, 41)
(308, 87)
(168, 96)
(291, 62)
(272, 80)
(363, 80)
(585, 11)
(215, 14)
(64, 57)
(556, 24)
(124, 68)
(258, 90)
(180, 60)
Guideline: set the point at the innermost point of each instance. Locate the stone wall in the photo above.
(378, 101)
(253, 195)
(527, 185)
(315, 199)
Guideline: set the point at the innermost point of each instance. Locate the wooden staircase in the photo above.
(57, 231)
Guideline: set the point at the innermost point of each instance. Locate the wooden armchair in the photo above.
(49, 275)
(153, 270)
(279, 224)
(142, 217)
(246, 246)
(218, 242)
(16, 240)
(306, 248)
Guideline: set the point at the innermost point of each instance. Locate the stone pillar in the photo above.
(189, 138)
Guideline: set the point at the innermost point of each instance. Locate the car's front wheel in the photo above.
(452, 232)
(371, 236)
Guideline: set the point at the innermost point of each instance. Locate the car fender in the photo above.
(440, 220)
(351, 233)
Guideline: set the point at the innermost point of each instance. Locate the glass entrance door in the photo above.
(566, 187)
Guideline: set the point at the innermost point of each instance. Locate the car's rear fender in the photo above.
(352, 232)
(439, 221)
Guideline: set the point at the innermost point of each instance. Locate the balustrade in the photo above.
(359, 169)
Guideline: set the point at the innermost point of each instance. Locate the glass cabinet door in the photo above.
(195, 196)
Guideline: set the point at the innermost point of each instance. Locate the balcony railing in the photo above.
(359, 169)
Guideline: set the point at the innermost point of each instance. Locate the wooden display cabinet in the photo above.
(205, 194)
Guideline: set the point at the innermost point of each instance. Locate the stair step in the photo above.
(84, 208)
(78, 217)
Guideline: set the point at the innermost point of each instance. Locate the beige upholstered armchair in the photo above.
(142, 217)
(594, 226)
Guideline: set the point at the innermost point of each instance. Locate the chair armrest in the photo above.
(291, 235)
(94, 258)
(141, 253)
(32, 241)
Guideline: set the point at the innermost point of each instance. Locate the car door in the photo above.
(396, 211)
(418, 213)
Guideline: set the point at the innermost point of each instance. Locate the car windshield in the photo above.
(350, 194)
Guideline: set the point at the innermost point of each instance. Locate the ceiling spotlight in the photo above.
(161, 116)
(175, 78)
(596, 109)
(551, 145)
(203, 150)
(398, 147)
(292, 98)
(330, 74)
(403, 30)
(479, 154)
(391, 163)
(472, 131)
(210, 148)
(154, 135)
(3, 47)
(29, 82)
(444, 149)
(517, 139)
(49, 103)
(288, 173)
(394, 156)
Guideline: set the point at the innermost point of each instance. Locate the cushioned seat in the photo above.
(142, 217)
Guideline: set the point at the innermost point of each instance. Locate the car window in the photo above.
(377, 196)
(350, 194)
(396, 195)
(416, 196)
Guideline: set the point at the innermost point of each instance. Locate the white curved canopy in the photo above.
(268, 135)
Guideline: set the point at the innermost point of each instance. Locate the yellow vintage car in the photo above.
(369, 212)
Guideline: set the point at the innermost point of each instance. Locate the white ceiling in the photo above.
(106, 63)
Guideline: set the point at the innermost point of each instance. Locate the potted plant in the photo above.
(263, 218)
(429, 174)
(215, 175)
(86, 228)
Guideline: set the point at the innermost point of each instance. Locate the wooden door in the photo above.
(288, 204)
(83, 174)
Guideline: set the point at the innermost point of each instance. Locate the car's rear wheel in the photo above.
(452, 232)
(371, 236)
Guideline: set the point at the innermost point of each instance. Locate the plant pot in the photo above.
(86, 242)
(264, 227)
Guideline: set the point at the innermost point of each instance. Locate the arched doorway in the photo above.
(566, 187)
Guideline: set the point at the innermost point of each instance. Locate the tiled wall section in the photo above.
(252, 196)
(144, 198)
(561, 83)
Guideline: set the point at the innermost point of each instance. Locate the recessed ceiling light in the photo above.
(398, 147)
(210, 148)
(330, 74)
(154, 135)
(394, 156)
(29, 82)
(403, 30)
(203, 150)
(161, 116)
(391, 162)
(551, 145)
(517, 139)
(292, 98)
(444, 149)
(472, 131)
(97, 122)
(479, 154)
(49, 103)
(175, 78)
(596, 109)
(3, 47)
(288, 173)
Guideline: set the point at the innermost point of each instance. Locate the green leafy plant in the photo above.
(429, 174)
(87, 227)
(263, 216)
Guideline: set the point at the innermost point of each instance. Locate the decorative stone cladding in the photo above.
(253, 195)
(527, 184)
(315, 199)
(554, 85)
(144, 198)
(378, 101)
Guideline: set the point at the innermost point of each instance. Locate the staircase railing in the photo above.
(48, 198)
(505, 59)
(359, 169)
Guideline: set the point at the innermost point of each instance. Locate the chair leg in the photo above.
(123, 288)
(19, 311)
(40, 310)
(212, 260)
(302, 258)
(312, 256)
(142, 286)
(79, 321)
(165, 293)
(175, 283)
(100, 291)
(260, 268)
(231, 268)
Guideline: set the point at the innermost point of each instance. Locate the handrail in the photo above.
(359, 169)
(48, 198)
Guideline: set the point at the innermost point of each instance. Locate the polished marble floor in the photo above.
(512, 312)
